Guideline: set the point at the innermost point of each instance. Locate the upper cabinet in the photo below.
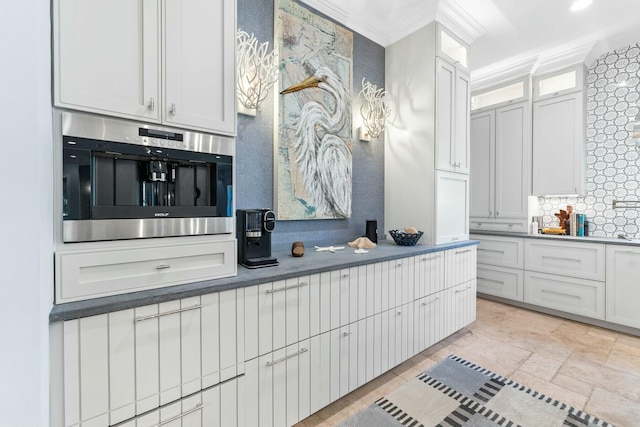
(162, 61)
(452, 107)
(451, 48)
(559, 133)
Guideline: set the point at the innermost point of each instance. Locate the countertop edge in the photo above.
(586, 239)
(289, 267)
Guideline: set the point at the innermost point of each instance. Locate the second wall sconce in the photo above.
(257, 72)
(374, 110)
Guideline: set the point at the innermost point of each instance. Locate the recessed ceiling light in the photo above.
(580, 4)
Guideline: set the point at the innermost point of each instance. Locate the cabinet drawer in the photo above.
(501, 251)
(572, 295)
(492, 224)
(501, 282)
(583, 260)
(277, 314)
(460, 265)
(220, 405)
(84, 275)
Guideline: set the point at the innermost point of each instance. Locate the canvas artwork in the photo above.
(313, 142)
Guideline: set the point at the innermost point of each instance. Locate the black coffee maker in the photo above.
(254, 227)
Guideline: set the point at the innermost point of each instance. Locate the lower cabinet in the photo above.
(265, 355)
(623, 292)
(501, 282)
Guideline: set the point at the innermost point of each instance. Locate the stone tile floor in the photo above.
(587, 367)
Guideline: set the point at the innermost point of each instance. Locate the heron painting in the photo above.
(314, 154)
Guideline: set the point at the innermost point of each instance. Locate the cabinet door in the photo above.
(512, 161)
(482, 164)
(452, 207)
(623, 264)
(445, 115)
(461, 306)
(430, 269)
(106, 57)
(199, 64)
(558, 145)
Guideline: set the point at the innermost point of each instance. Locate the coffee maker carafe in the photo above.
(254, 227)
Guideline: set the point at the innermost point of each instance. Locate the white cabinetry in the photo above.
(352, 325)
(169, 61)
(559, 133)
(501, 266)
(122, 364)
(90, 273)
(501, 166)
(428, 136)
(623, 265)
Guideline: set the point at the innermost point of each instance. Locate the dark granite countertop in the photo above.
(552, 237)
(311, 263)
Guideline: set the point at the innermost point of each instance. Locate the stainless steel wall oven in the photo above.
(125, 180)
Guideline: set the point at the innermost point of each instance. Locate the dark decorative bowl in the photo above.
(405, 239)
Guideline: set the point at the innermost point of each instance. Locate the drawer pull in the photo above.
(463, 252)
(491, 250)
(561, 294)
(462, 290)
(399, 264)
(162, 266)
(198, 407)
(344, 276)
(427, 303)
(430, 258)
(282, 359)
(561, 258)
(166, 313)
(270, 291)
(346, 334)
(399, 313)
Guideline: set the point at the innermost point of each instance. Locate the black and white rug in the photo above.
(456, 392)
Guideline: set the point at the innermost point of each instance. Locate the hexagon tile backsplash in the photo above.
(613, 162)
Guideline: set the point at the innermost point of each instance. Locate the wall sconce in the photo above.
(257, 72)
(374, 111)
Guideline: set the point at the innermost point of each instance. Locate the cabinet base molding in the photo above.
(564, 315)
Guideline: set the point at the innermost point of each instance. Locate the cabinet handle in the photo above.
(346, 275)
(427, 303)
(198, 407)
(152, 104)
(462, 290)
(270, 291)
(399, 313)
(430, 258)
(172, 110)
(166, 313)
(282, 359)
(346, 334)
(497, 213)
(399, 264)
(561, 258)
(561, 293)
(463, 252)
(490, 213)
(162, 266)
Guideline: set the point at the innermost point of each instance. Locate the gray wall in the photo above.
(613, 161)
(255, 145)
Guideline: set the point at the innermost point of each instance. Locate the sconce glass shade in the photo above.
(257, 70)
(374, 108)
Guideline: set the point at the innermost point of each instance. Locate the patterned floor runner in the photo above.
(456, 392)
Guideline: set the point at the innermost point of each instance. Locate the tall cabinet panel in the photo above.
(428, 132)
(501, 158)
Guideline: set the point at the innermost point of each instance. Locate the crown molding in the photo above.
(501, 72)
(564, 56)
(459, 21)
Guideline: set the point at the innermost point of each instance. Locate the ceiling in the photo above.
(506, 36)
